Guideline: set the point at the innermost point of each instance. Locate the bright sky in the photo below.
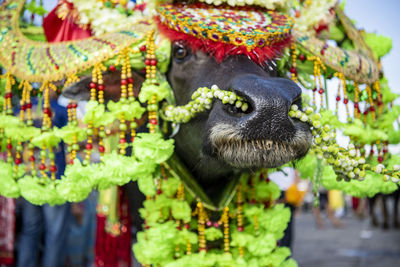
(381, 17)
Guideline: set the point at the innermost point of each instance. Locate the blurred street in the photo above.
(356, 244)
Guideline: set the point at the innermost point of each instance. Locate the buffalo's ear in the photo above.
(112, 87)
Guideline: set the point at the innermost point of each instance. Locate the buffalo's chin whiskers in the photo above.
(232, 148)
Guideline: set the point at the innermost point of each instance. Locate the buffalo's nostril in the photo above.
(239, 108)
(297, 101)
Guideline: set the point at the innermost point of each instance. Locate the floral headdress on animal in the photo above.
(180, 224)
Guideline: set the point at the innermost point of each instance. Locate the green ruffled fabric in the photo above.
(153, 147)
(131, 110)
(267, 191)
(181, 210)
(379, 44)
(21, 133)
(213, 233)
(96, 114)
(47, 139)
(8, 185)
(40, 191)
(75, 185)
(157, 245)
(148, 91)
(69, 132)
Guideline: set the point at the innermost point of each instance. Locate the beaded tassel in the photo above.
(356, 100)
(371, 102)
(201, 226)
(376, 86)
(71, 108)
(225, 222)
(151, 65)
(10, 81)
(293, 69)
(240, 227)
(318, 65)
(343, 85)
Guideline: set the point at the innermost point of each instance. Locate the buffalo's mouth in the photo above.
(230, 145)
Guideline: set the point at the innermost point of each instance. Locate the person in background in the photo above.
(324, 203)
(287, 180)
(50, 221)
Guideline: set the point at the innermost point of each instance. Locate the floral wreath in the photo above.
(182, 225)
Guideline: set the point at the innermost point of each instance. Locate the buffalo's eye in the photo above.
(180, 52)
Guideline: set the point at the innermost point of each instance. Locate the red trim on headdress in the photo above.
(220, 50)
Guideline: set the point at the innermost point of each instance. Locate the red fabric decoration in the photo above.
(221, 50)
(7, 230)
(114, 250)
(57, 29)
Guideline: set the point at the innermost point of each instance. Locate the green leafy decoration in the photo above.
(147, 186)
(153, 147)
(157, 245)
(47, 139)
(379, 44)
(170, 186)
(181, 210)
(148, 91)
(76, 183)
(8, 185)
(267, 191)
(69, 133)
(131, 110)
(96, 114)
(39, 191)
(276, 258)
(262, 245)
(213, 233)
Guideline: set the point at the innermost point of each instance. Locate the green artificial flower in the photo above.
(181, 210)
(96, 114)
(213, 233)
(387, 95)
(289, 263)
(275, 220)
(157, 244)
(241, 239)
(39, 191)
(262, 244)
(47, 139)
(200, 259)
(114, 165)
(170, 186)
(267, 191)
(21, 133)
(131, 110)
(69, 132)
(153, 147)
(185, 236)
(8, 185)
(9, 121)
(148, 91)
(306, 166)
(76, 183)
(327, 117)
(379, 44)
(163, 55)
(146, 185)
(276, 258)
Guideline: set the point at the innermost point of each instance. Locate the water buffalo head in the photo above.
(216, 143)
(227, 138)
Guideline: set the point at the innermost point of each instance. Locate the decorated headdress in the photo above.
(178, 222)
